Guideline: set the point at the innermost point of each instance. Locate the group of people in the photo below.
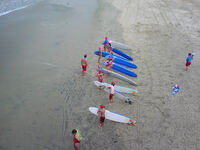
(101, 110)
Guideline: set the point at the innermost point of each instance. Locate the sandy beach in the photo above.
(43, 95)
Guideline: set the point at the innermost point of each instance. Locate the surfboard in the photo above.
(119, 76)
(122, 69)
(104, 54)
(122, 62)
(119, 88)
(120, 96)
(112, 115)
(117, 51)
(120, 45)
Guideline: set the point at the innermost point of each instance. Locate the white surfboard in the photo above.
(119, 95)
(119, 45)
(119, 76)
(112, 115)
(118, 88)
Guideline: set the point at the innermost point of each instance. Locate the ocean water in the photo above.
(8, 6)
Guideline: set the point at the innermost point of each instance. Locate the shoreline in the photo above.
(11, 11)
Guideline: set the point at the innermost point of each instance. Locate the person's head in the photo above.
(112, 53)
(100, 71)
(74, 131)
(113, 83)
(176, 85)
(110, 58)
(101, 106)
(85, 56)
(109, 43)
(99, 66)
(189, 54)
(99, 48)
(106, 37)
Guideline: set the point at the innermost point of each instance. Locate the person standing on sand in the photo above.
(105, 43)
(100, 76)
(109, 47)
(76, 139)
(188, 61)
(101, 112)
(84, 64)
(110, 63)
(112, 91)
(100, 55)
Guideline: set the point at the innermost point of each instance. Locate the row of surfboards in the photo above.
(119, 60)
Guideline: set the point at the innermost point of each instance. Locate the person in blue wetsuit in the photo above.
(105, 43)
(188, 61)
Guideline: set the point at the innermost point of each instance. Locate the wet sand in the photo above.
(44, 96)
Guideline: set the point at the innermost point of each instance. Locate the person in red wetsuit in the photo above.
(84, 64)
(109, 47)
(100, 54)
(112, 91)
(100, 76)
(101, 112)
(76, 142)
(110, 63)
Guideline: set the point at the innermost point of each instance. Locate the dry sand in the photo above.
(161, 34)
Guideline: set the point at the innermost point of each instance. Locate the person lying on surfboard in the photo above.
(112, 91)
(101, 112)
(84, 64)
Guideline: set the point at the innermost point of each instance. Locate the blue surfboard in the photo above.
(122, 54)
(122, 69)
(104, 54)
(123, 62)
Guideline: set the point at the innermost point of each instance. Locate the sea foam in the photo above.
(10, 11)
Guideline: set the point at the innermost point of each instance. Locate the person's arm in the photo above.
(98, 112)
(81, 61)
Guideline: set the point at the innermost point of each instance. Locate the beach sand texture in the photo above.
(44, 96)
